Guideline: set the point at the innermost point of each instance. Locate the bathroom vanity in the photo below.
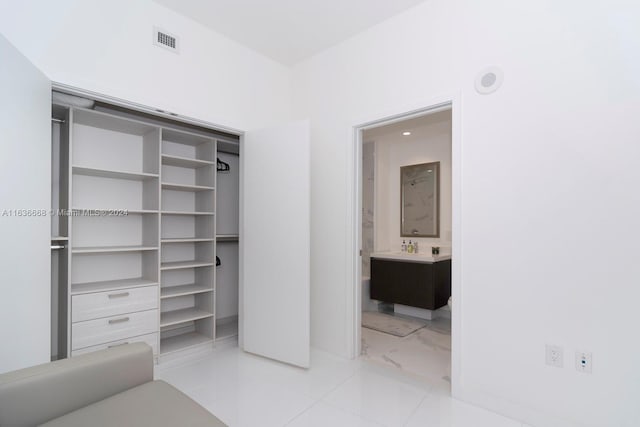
(415, 280)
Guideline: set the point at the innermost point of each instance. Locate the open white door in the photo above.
(275, 243)
(25, 200)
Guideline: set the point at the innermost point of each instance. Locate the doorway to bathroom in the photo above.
(405, 239)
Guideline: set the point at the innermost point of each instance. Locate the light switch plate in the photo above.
(554, 356)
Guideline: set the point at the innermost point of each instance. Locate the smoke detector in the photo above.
(489, 80)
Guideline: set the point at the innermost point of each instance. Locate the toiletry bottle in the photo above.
(404, 246)
(415, 247)
(410, 247)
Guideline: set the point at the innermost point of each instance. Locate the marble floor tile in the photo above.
(425, 353)
(325, 374)
(222, 367)
(233, 367)
(246, 390)
(378, 397)
(443, 411)
(324, 415)
(255, 404)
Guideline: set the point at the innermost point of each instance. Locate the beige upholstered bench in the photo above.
(112, 387)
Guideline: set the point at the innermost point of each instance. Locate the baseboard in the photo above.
(444, 312)
(515, 411)
(188, 354)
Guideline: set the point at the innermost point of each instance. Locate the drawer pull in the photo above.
(118, 345)
(120, 295)
(121, 320)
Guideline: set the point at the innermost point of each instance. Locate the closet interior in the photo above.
(144, 243)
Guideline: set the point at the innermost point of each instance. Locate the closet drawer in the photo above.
(151, 339)
(104, 304)
(114, 328)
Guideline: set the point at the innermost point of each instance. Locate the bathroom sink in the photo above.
(404, 256)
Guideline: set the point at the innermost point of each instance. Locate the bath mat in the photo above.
(388, 324)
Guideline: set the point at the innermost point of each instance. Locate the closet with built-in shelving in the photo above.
(136, 251)
(141, 244)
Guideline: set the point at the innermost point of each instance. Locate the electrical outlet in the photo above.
(584, 362)
(554, 356)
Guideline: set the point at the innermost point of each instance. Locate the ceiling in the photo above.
(288, 31)
(418, 126)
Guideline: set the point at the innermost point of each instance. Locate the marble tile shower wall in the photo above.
(368, 191)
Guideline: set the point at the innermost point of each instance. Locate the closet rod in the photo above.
(55, 247)
(222, 150)
(57, 120)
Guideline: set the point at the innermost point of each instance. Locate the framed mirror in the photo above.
(420, 200)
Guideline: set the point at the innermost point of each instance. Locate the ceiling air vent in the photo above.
(164, 39)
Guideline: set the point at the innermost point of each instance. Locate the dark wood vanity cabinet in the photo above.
(416, 284)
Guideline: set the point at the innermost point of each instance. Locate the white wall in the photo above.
(430, 141)
(106, 47)
(550, 205)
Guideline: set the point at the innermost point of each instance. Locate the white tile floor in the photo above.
(246, 390)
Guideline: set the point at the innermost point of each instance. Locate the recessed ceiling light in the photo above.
(406, 133)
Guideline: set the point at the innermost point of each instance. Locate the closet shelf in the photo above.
(175, 317)
(110, 121)
(185, 137)
(187, 240)
(116, 174)
(186, 213)
(184, 162)
(110, 285)
(105, 249)
(227, 238)
(185, 187)
(184, 341)
(180, 290)
(184, 264)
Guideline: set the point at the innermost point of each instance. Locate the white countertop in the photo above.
(405, 256)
